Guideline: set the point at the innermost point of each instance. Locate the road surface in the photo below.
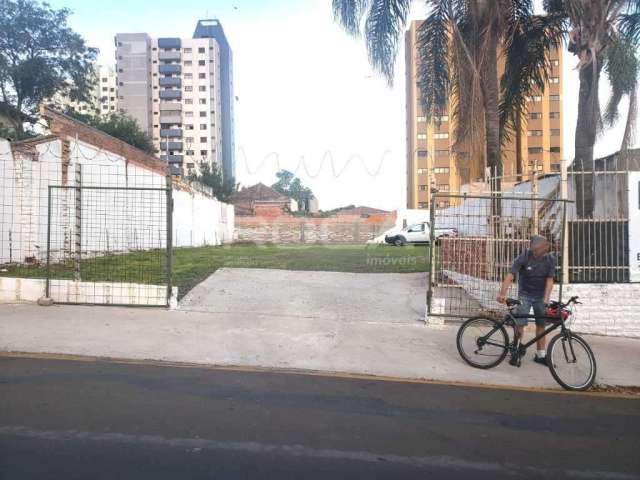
(99, 420)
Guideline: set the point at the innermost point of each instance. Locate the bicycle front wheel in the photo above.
(571, 362)
(482, 342)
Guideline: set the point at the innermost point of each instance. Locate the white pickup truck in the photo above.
(417, 233)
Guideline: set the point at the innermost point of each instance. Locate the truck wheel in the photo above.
(399, 241)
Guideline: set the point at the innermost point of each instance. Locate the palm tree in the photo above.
(459, 46)
(602, 34)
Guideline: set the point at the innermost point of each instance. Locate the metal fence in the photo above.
(109, 245)
(474, 244)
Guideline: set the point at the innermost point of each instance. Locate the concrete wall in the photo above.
(289, 229)
(111, 220)
(606, 309)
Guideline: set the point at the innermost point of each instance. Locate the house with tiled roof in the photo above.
(259, 199)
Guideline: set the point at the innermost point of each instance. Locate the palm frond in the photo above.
(632, 119)
(622, 68)
(349, 13)
(629, 26)
(433, 51)
(527, 45)
(384, 26)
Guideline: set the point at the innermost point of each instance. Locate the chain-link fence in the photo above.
(474, 244)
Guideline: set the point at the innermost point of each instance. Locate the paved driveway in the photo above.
(349, 297)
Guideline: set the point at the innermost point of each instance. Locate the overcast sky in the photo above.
(307, 99)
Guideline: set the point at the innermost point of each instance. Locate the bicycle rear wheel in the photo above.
(482, 342)
(571, 362)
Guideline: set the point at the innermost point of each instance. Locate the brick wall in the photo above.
(287, 229)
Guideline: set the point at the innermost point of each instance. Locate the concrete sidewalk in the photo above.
(287, 342)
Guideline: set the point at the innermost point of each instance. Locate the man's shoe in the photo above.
(513, 361)
(541, 360)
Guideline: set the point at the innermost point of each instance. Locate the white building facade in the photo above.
(180, 91)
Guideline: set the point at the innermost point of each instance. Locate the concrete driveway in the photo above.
(350, 297)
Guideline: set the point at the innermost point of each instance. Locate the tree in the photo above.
(291, 186)
(212, 176)
(458, 48)
(40, 56)
(118, 125)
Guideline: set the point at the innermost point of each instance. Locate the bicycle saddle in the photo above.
(512, 301)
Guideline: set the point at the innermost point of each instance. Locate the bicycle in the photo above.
(569, 357)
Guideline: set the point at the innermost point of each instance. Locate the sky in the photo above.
(307, 99)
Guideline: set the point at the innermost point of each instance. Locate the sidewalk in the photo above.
(412, 351)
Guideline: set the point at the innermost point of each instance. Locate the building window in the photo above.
(535, 149)
(423, 188)
(441, 170)
(554, 149)
(202, 75)
(187, 50)
(555, 63)
(188, 101)
(443, 188)
(555, 167)
(555, 132)
(422, 136)
(554, 80)
(422, 205)
(554, 114)
(422, 119)
(188, 152)
(535, 115)
(203, 126)
(422, 153)
(188, 88)
(203, 153)
(188, 76)
(443, 118)
(188, 63)
(188, 114)
(534, 133)
(188, 127)
(440, 135)
(535, 98)
(442, 153)
(554, 98)
(203, 139)
(201, 50)
(203, 114)
(443, 204)
(202, 88)
(202, 101)
(422, 171)
(202, 63)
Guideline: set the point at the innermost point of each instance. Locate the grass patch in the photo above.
(192, 265)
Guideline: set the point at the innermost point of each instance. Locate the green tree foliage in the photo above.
(40, 56)
(118, 125)
(213, 177)
(291, 186)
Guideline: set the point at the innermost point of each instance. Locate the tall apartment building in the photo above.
(430, 160)
(103, 99)
(180, 90)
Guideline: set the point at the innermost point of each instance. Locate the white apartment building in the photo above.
(103, 98)
(180, 91)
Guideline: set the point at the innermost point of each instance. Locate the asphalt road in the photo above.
(68, 419)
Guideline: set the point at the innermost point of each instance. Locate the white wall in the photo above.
(111, 220)
(606, 309)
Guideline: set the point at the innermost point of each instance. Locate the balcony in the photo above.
(171, 106)
(172, 146)
(170, 82)
(169, 43)
(170, 94)
(171, 118)
(171, 133)
(172, 69)
(169, 56)
(172, 158)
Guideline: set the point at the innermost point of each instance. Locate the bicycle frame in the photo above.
(558, 322)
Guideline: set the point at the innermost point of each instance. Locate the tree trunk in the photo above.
(585, 139)
(492, 116)
(519, 146)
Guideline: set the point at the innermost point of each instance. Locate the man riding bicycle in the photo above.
(535, 269)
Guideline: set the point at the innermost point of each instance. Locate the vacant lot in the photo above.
(192, 265)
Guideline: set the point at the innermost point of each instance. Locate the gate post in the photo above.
(431, 276)
(169, 225)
